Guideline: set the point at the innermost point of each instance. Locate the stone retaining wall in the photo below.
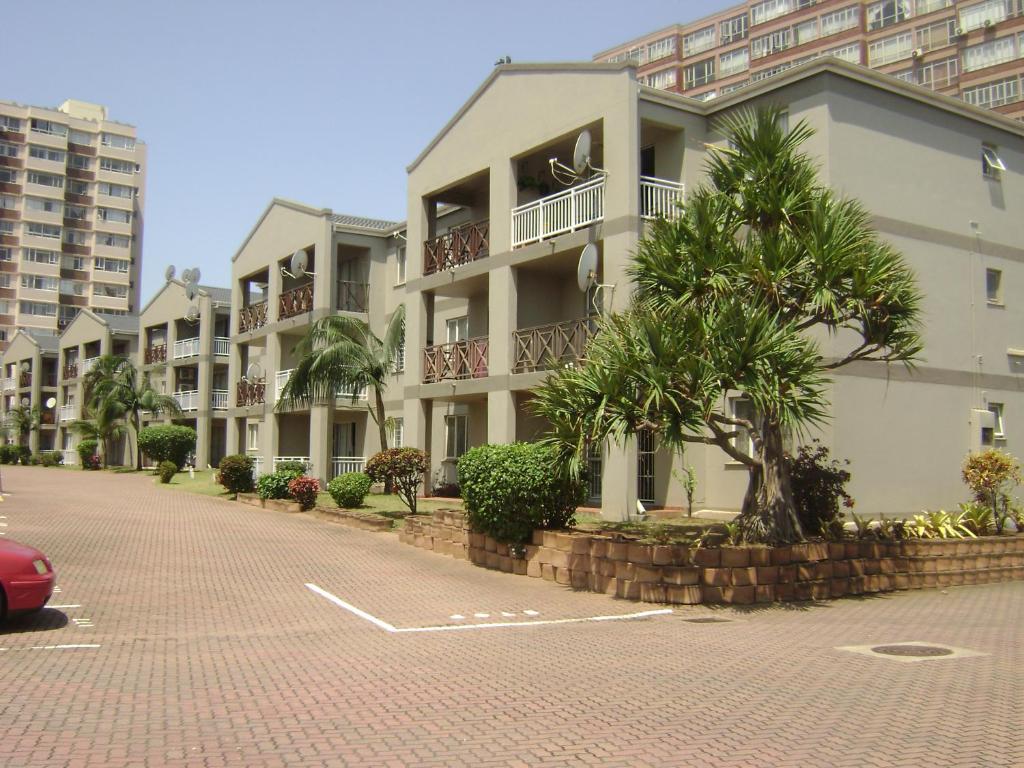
(677, 574)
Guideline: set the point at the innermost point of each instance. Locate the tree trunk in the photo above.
(379, 398)
(138, 451)
(769, 514)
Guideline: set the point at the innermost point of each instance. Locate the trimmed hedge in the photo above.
(275, 484)
(511, 490)
(235, 473)
(168, 442)
(349, 490)
(167, 470)
(87, 453)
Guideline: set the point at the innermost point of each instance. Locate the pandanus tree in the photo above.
(22, 421)
(341, 354)
(102, 423)
(115, 379)
(765, 283)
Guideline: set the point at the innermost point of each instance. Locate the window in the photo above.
(39, 256)
(42, 230)
(116, 190)
(39, 283)
(8, 202)
(45, 179)
(659, 49)
(81, 138)
(37, 308)
(984, 14)
(666, 78)
(989, 54)
(75, 236)
(110, 265)
(939, 74)
(252, 437)
(6, 227)
(997, 412)
(400, 265)
(113, 214)
(841, 20)
(43, 205)
(927, 6)
(771, 43)
(741, 408)
(5, 279)
(906, 75)
(45, 153)
(768, 10)
(106, 290)
(6, 253)
(731, 30)
(116, 166)
(76, 212)
(991, 163)
(734, 86)
(8, 150)
(890, 49)
(5, 307)
(118, 142)
(994, 286)
(993, 94)
(11, 124)
(73, 262)
(77, 187)
(645, 465)
(457, 329)
(456, 435)
(396, 433)
(805, 32)
(936, 35)
(73, 287)
(699, 41)
(48, 127)
(763, 73)
(734, 61)
(81, 162)
(699, 74)
(8, 175)
(887, 13)
(112, 241)
(400, 355)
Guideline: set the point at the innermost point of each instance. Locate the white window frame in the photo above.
(457, 327)
(736, 28)
(992, 164)
(998, 411)
(740, 407)
(732, 62)
(886, 13)
(994, 287)
(699, 41)
(396, 432)
(456, 435)
(401, 265)
(691, 79)
(840, 20)
(252, 437)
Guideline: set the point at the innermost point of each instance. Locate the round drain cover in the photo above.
(706, 620)
(912, 650)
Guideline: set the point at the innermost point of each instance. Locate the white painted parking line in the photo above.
(381, 624)
(67, 647)
(64, 606)
(83, 622)
(457, 616)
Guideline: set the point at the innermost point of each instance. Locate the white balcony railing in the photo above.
(88, 364)
(659, 197)
(188, 400)
(340, 465)
(221, 345)
(281, 378)
(281, 459)
(556, 214)
(257, 466)
(186, 348)
(68, 412)
(10, 383)
(70, 456)
(219, 399)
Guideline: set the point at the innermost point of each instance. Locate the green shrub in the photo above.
(819, 488)
(51, 458)
(349, 490)
(167, 470)
(168, 442)
(86, 450)
(511, 490)
(992, 475)
(235, 473)
(295, 467)
(304, 490)
(8, 454)
(275, 484)
(401, 468)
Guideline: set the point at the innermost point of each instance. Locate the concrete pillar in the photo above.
(618, 480)
(204, 382)
(269, 431)
(502, 319)
(232, 445)
(504, 196)
(501, 417)
(36, 394)
(326, 269)
(320, 422)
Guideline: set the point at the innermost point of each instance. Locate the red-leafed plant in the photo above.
(304, 490)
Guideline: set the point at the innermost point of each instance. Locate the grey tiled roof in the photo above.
(122, 323)
(47, 342)
(221, 295)
(364, 223)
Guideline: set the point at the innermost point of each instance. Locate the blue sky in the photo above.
(322, 102)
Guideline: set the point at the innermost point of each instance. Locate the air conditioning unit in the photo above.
(917, 53)
(989, 23)
(959, 32)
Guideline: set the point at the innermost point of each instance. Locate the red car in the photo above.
(26, 578)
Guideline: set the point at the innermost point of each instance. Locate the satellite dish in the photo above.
(25, 366)
(193, 312)
(51, 401)
(195, 275)
(186, 276)
(300, 260)
(581, 155)
(254, 371)
(190, 291)
(586, 270)
(25, 401)
(169, 273)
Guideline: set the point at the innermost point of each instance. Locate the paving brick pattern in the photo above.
(213, 653)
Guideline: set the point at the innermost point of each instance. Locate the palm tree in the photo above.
(102, 423)
(731, 299)
(116, 379)
(341, 354)
(22, 421)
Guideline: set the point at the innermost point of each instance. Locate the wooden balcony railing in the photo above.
(458, 360)
(295, 302)
(544, 347)
(156, 354)
(353, 296)
(461, 245)
(25, 379)
(250, 392)
(252, 317)
(71, 371)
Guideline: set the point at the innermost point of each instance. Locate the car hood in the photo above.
(12, 551)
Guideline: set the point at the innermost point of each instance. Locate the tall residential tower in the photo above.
(71, 205)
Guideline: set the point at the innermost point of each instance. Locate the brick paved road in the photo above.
(212, 652)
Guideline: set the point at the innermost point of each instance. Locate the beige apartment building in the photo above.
(71, 215)
(970, 49)
(942, 178)
(31, 378)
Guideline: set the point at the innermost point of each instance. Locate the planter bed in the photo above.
(366, 521)
(280, 505)
(677, 574)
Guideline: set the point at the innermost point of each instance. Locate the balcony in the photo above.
(188, 400)
(353, 296)
(659, 198)
(281, 378)
(257, 465)
(221, 346)
(70, 456)
(154, 354)
(556, 214)
(9, 383)
(544, 347)
(67, 413)
(219, 400)
(184, 348)
(250, 392)
(25, 379)
(461, 245)
(70, 371)
(341, 465)
(457, 360)
(89, 363)
(295, 302)
(253, 317)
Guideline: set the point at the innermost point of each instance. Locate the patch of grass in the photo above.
(203, 483)
(390, 505)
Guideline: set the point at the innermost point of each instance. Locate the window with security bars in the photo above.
(645, 451)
